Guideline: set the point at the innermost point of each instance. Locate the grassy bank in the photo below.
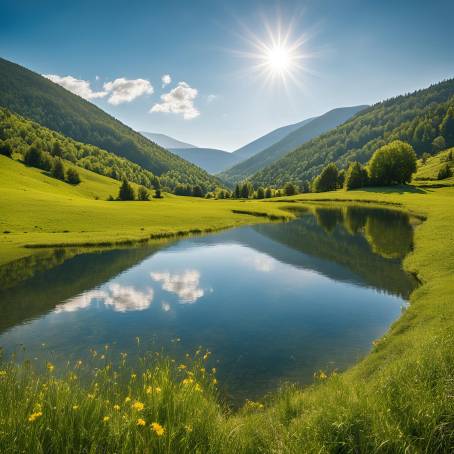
(399, 399)
(37, 211)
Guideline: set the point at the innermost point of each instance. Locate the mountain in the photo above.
(37, 98)
(425, 119)
(307, 130)
(165, 141)
(267, 140)
(209, 159)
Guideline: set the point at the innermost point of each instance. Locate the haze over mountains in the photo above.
(166, 141)
(295, 136)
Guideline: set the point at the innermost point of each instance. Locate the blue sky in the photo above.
(356, 52)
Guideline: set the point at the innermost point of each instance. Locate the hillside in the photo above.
(263, 142)
(425, 119)
(428, 170)
(19, 133)
(296, 137)
(166, 141)
(209, 159)
(37, 98)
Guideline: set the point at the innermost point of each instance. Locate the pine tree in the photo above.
(58, 169)
(126, 191)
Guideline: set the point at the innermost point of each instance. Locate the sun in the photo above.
(278, 58)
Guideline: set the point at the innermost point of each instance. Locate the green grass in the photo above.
(38, 210)
(398, 399)
(429, 171)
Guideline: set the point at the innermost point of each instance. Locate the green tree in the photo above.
(356, 176)
(394, 163)
(126, 191)
(58, 169)
(425, 157)
(72, 176)
(197, 191)
(444, 172)
(260, 193)
(447, 127)
(341, 179)
(327, 180)
(56, 149)
(290, 189)
(143, 194)
(268, 193)
(157, 193)
(5, 149)
(237, 192)
(246, 190)
(33, 156)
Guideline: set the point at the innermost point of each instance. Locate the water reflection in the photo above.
(273, 302)
(185, 285)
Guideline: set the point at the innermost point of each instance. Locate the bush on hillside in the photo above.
(5, 149)
(58, 169)
(444, 172)
(143, 194)
(126, 192)
(391, 164)
(356, 176)
(72, 176)
(327, 180)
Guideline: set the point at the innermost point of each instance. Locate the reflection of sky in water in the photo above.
(255, 302)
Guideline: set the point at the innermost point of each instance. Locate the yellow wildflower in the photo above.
(133, 376)
(182, 366)
(75, 407)
(2, 373)
(213, 370)
(35, 416)
(157, 429)
(91, 396)
(116, 407)
(50, 367)
(215, 382)
(198, 388)
(141, 422)
(187, 381)
(158, 389)
(206, 356)
(128, 399)
(105, 419)
(149, 390)
(139, 406)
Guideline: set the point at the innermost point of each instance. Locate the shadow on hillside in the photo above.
(401, 189)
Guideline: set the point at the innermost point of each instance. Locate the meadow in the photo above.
(398, 399)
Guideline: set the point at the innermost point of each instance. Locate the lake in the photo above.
(273, 303)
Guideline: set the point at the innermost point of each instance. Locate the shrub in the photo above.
(143, 194)
(260, 193)
(290, 189)
(268, 193)
(394, 163)
(72, 176)
(58, 169)
(327, 180)
(5, 149)
(34, 157)
(356, 176)
(126, 191)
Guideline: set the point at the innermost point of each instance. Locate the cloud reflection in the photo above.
(120, 298)
(185, 285)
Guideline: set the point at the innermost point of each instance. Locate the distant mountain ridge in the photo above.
(166, 141)
(210, 159)
(37, 98)
(263, 142)
(304, 131)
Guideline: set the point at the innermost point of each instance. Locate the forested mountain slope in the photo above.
(292, 140)
(37, 98)
(425, 119)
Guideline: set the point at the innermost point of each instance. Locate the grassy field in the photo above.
(398, 399)
(39, 210)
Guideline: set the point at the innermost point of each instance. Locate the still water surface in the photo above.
(273, 302)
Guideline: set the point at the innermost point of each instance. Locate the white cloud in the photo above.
(77, 86)
(120, 298)
(125, 299)
(166, 80)
(180, 100)
(185, 285)
(126, 90)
